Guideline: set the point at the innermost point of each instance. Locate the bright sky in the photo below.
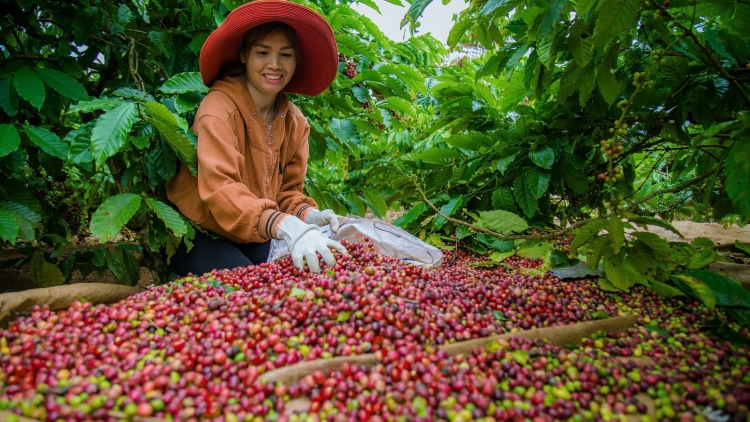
(436, 19)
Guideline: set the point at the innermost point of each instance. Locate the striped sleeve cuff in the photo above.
(301, 211)
(269, 221)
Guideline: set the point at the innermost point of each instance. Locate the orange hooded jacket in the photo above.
(244, 186)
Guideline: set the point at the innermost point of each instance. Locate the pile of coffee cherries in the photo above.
(194, 349)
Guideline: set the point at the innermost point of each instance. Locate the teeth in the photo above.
(274, 78)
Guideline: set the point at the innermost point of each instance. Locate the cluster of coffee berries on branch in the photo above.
(351, 70)
(640, 80)
(616, 203)
(611, 176)
(620, 129)
(658, 56)
(611, 148)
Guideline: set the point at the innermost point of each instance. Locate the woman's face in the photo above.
(270, 64)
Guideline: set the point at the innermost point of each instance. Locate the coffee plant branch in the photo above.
(475, 228)
(26, 57)
(679, 187)
(707, 51)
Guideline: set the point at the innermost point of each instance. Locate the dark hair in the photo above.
(256, 34)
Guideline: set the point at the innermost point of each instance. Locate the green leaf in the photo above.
(503, 222)
(501, 164)
(702, 241)
(607, 83)
(644, 222)
(411, 215)
(614, 17)
(409, 75)
(533, 250)
(616, 233)
(356, 205)
(543, 157)
(9, 139)
(742, 247)
(502, 198)
(498, 257)
(111, 131)
(169, 216)
(459, 29)
(8, 226)
(377, 203)
(520, 356)
(656, 243)
(112, 214)
(703, 292)
(551, 16)
(30, 87)
(499, 316)
(356, 45)
(600, 315)
(187, 101)
(737, 175)
(398, 104)
(64, 84)
(162, 40)
(47, 141)
(538, 181)
(702, 258)
(182, 143)
(472, 141)
(606, 285)
(436, 155)
(615, 271)
(594, 251)
(184, 82)
(664, 290)
(580, 47)
(97, 104)
(524, 196)
(492, 5)
(43, 273)
(342, 129)
(8, 97)
(586, 232)
(448, 210)
(297, 292)
(727, 291)
(559, 259)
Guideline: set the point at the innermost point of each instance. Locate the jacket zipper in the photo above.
(270, 163)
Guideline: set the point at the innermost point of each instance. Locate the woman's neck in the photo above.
(266, 105)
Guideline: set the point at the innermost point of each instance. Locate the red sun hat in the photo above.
(315, 70)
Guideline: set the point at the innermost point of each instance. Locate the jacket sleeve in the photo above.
(236, 209)
(290, 198)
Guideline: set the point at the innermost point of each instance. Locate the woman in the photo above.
(252, 141)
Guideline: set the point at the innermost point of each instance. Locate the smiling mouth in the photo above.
(273, 78)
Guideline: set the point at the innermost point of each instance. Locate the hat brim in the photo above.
(315, 70)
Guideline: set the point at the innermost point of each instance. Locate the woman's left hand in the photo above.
(321, 218)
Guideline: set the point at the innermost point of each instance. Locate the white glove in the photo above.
(305, 241)
(321, 218)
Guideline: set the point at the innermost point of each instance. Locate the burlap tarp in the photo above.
(560, 335)
(716, 232)
(61, 297)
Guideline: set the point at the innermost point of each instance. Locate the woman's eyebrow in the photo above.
(268, 46)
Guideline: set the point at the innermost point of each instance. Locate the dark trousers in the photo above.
(208, 254)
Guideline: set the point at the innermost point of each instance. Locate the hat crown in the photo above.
(316, 41)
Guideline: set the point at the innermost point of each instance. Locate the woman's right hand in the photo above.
(305, 241)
